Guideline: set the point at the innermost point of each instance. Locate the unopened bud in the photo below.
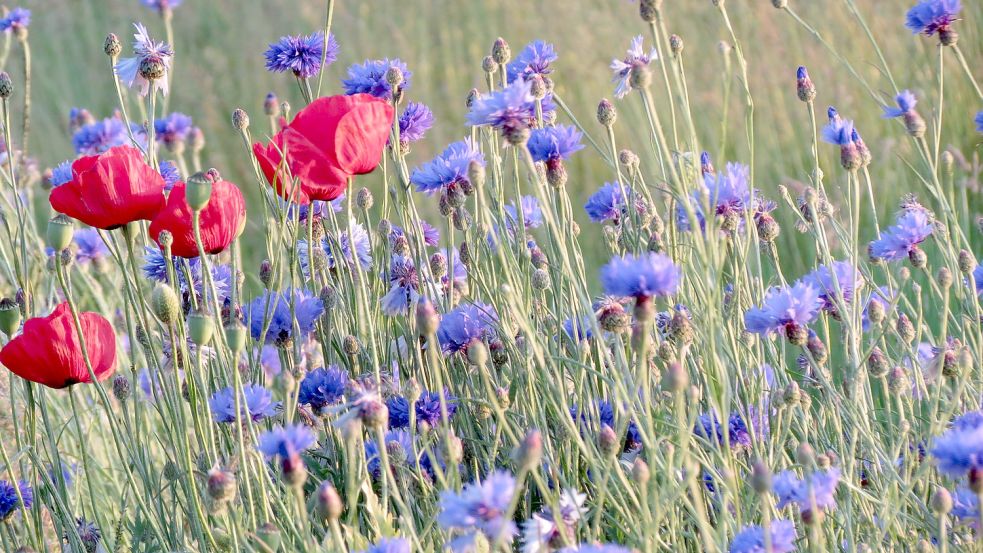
(121, 387)
(165, 304)
(240, 119)
(529, 453)
(501, 52)
(200, 328)
(112, 47)
(329, 505)
(606, 113)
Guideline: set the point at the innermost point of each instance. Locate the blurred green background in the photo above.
(219, 66)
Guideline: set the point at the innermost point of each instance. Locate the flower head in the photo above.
(509, 109)
(552, 144)
(532, 214)
(641, 276)
(882, 296)
(10, 502)
(370, 78)
(91, 246)
(427, 408)
(169, 172)
(286, 441)
(301, 54)
(415, 121)
(255, 403)
(843, 274)
(323, 387)
(906, 103)
(220, 221)
(404, 288)
(960, 448)
(912, 227)
(728, 194)
(172, 129)
(465, 324)
(389, 545)
(534, 59)
(99, 136)
(635, 59)
(814, 490)
(932, 16)
(448, 169)
(838, 131)
(155, 268)
(280, 312)
(151, 63)
(161, 5)
(608, 203)
(751, 539)
(16, 20)
(480, 507)
(784, 308)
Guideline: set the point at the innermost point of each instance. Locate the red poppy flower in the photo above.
(328, 142)
(49, 351)
(221, 220)
(111, 189)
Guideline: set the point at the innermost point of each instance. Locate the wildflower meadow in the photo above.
(393, 276)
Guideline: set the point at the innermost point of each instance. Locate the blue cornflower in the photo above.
(61, 173)
(155, 268)
(301, 54)
(457, 273)
(354, 244)
(608, 203)
(838, 131)
(846, 276)
(534, 59)
(729, 195)
(603, 415)
(479, 508)
(912, 227)
(256, 402)
(389, 545)
(641, 276)
(431, 234)
(96, 138)
(595, 548)
(739, 437)
(817, 489)
(706, 164)
(578, 329)
(635, 58)
(161, 5)
(509, 109)
(415, 121)
(966, 507)
(882, 296)
(323, 387)
(751, 539)
(906, 103)
(552, 144)
(960, 448)
(978, 278)
(172, 129)
(979, 122)
(170, 173)
(532, 214)
(932, 16)
(306, 308)
(403, 445)
(449, 169)
(90, 245)
(465, 324)
(370, 78)
(68, 473)
(17, 19)
(404, 286)
(286, 441)
(427, 409)
(148, 54)
(9, 502)
(786, 308)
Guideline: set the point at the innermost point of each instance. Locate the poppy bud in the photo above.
(235, 336)
(198, 191)
(240, 119)
(329, 505)
(60, 232)
(6, 85)
(165, 304)
(501, 52)
(200, 328)
(9, 316)
(112, 47)
(606, 113)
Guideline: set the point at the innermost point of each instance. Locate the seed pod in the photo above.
(198, 191)
(60, 232)
(10, 317)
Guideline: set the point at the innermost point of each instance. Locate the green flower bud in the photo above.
(60, 232)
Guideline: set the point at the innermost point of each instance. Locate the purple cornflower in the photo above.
(16, 20)
(912, 227)
(882, 296)
(404, 286)
(426, 408)
(449, 169)
(906, 103)
(641, 276)
(634, 59)
(322, 387)
(510, 109)
(553, 144)
(738, 434)
(370, 78)
(932, 16)
(256, 403)
(9, 502)
(151, 57)
(90, 246)
(846, 276)
(608, 203)
(480, 507)
(534, 59)
(751, 539)
(966, 507)
(355, 246)
(729, 195)
(301, 54)
(170, 173)
(464, 325)
(959, 449)
(431, 235)
(815, 490)
(89, 534)
(172, 129)
(286, 441)
(283, 310)
(61, 173)
(389, 545)
(161, 5)
(788, 309)
(978, 278)
(532, 214)
(96, 138)
(155, 268)
(415, 121)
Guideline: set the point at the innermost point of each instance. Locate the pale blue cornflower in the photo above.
(608, 203)
(532, 214)
(429, 233)
(323, 387)
(404, 285)
(389, 545)
(466, 324)
(18, 19)
(882, 296)
(787, 309)
(170, 173)
(285, 442)
(510, 109)
(542, 529)
(838, 131)
(534, 59)
(553, 144)
(825, 281)
(912, 227)
(978, 278)
(282, 311)
(301, 54)
(932, 16)
(173, 129)
(449, 169)
(131, 71)
(641, 276)
(161, 5)
(91, 246)
(100, 136)
(751, 539)
(481, 507)
(816, 490)
(61, 174)
(906, 103)
(635, 59)
(959, 449)
(256, 403)
(457, 272)
(402, 443)
(370, 78)
(966, 507)
(729, 195)
(155, 268)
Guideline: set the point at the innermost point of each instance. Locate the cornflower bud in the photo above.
(529, 453)
(329, 505)
(240, 119)
(500, 52)
(112, 47)
(606, 113)
(121, 387)
(6, 85)
(905, 328)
